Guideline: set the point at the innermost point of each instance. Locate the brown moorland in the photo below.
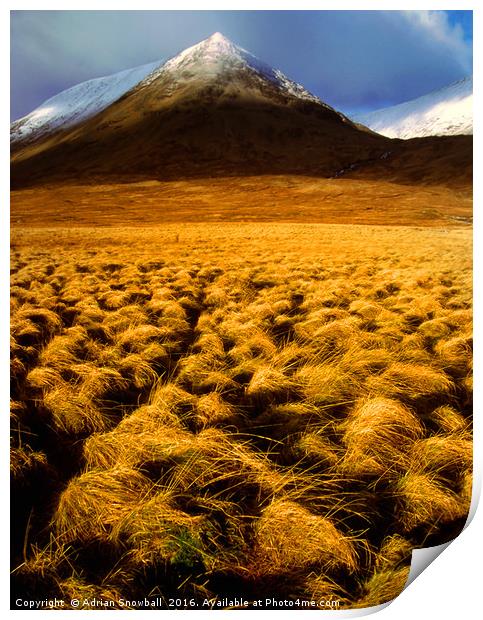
(274, 198)
(192, 401)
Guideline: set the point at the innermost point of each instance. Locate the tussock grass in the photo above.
(445, 419)
(226, 467)
(134, 339)
(156, 530)
(213, 410)
(455, 355)
(138, 449)
(445, 458)
(138, 371)
(269, 383)
(379, 434)
(237, 408)
(94, 502)
(40, 323)
(279, 531)
(424, 502)
(43, 378)
(65, 349)
(317, 450)
(395, 550)
(27, 465)
(73, 412)
(326, 383)
(87, 594)
(383, 586)
(411, 381)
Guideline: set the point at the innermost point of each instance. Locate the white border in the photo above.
(451, 587)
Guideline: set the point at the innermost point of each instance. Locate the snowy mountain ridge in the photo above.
(215, 55)
(444, 112)
(210, 58)
(77, 103)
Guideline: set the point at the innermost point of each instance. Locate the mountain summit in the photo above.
(447, 111)
(215, 60)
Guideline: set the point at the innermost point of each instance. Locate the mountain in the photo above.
(77, 104)
(444, 112)
(212, 109)
(206, 60)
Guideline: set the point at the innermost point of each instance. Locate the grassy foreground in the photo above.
(205, 412)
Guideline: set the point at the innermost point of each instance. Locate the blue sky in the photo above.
(354, 60)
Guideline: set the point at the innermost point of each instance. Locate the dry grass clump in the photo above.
(326, 383)
(173, 400)
(422, 501)
(383, 586)
(156, 530)
(270, 383)
(43, 378)
(90, 596)
(289, 537)
(336, 336)
(93, 503)
(316, 450)
(445, 419)
(444, 458)
(73, 412)
(322, 589)
(125, 318)
(251, 343)
(97, 381)
(411, 382)
(195, 370)
(379, 434)
(394, 551)
(138, 371)
(32, 325)
(213, 410)
(363, 362)
(434, 330)
(27, 465)
(286, 421)
(65, 349)
(390, 574)
(221, 465)
(456, 355)
(209, 344)
(134, 339)
(150, 435)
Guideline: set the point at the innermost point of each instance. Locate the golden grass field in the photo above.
(215, 410)
(268, 198)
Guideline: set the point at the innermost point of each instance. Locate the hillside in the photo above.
(444, 112)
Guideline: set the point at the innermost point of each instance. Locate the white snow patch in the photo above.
(447, 111)
(217, 54)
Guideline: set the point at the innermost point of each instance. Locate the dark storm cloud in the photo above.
(354, 60)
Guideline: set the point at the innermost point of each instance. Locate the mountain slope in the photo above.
(444, 112)
(212, 109)
(72, 106)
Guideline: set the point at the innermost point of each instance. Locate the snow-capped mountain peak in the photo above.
(446, 111)
(215, 60)
(217, 55)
